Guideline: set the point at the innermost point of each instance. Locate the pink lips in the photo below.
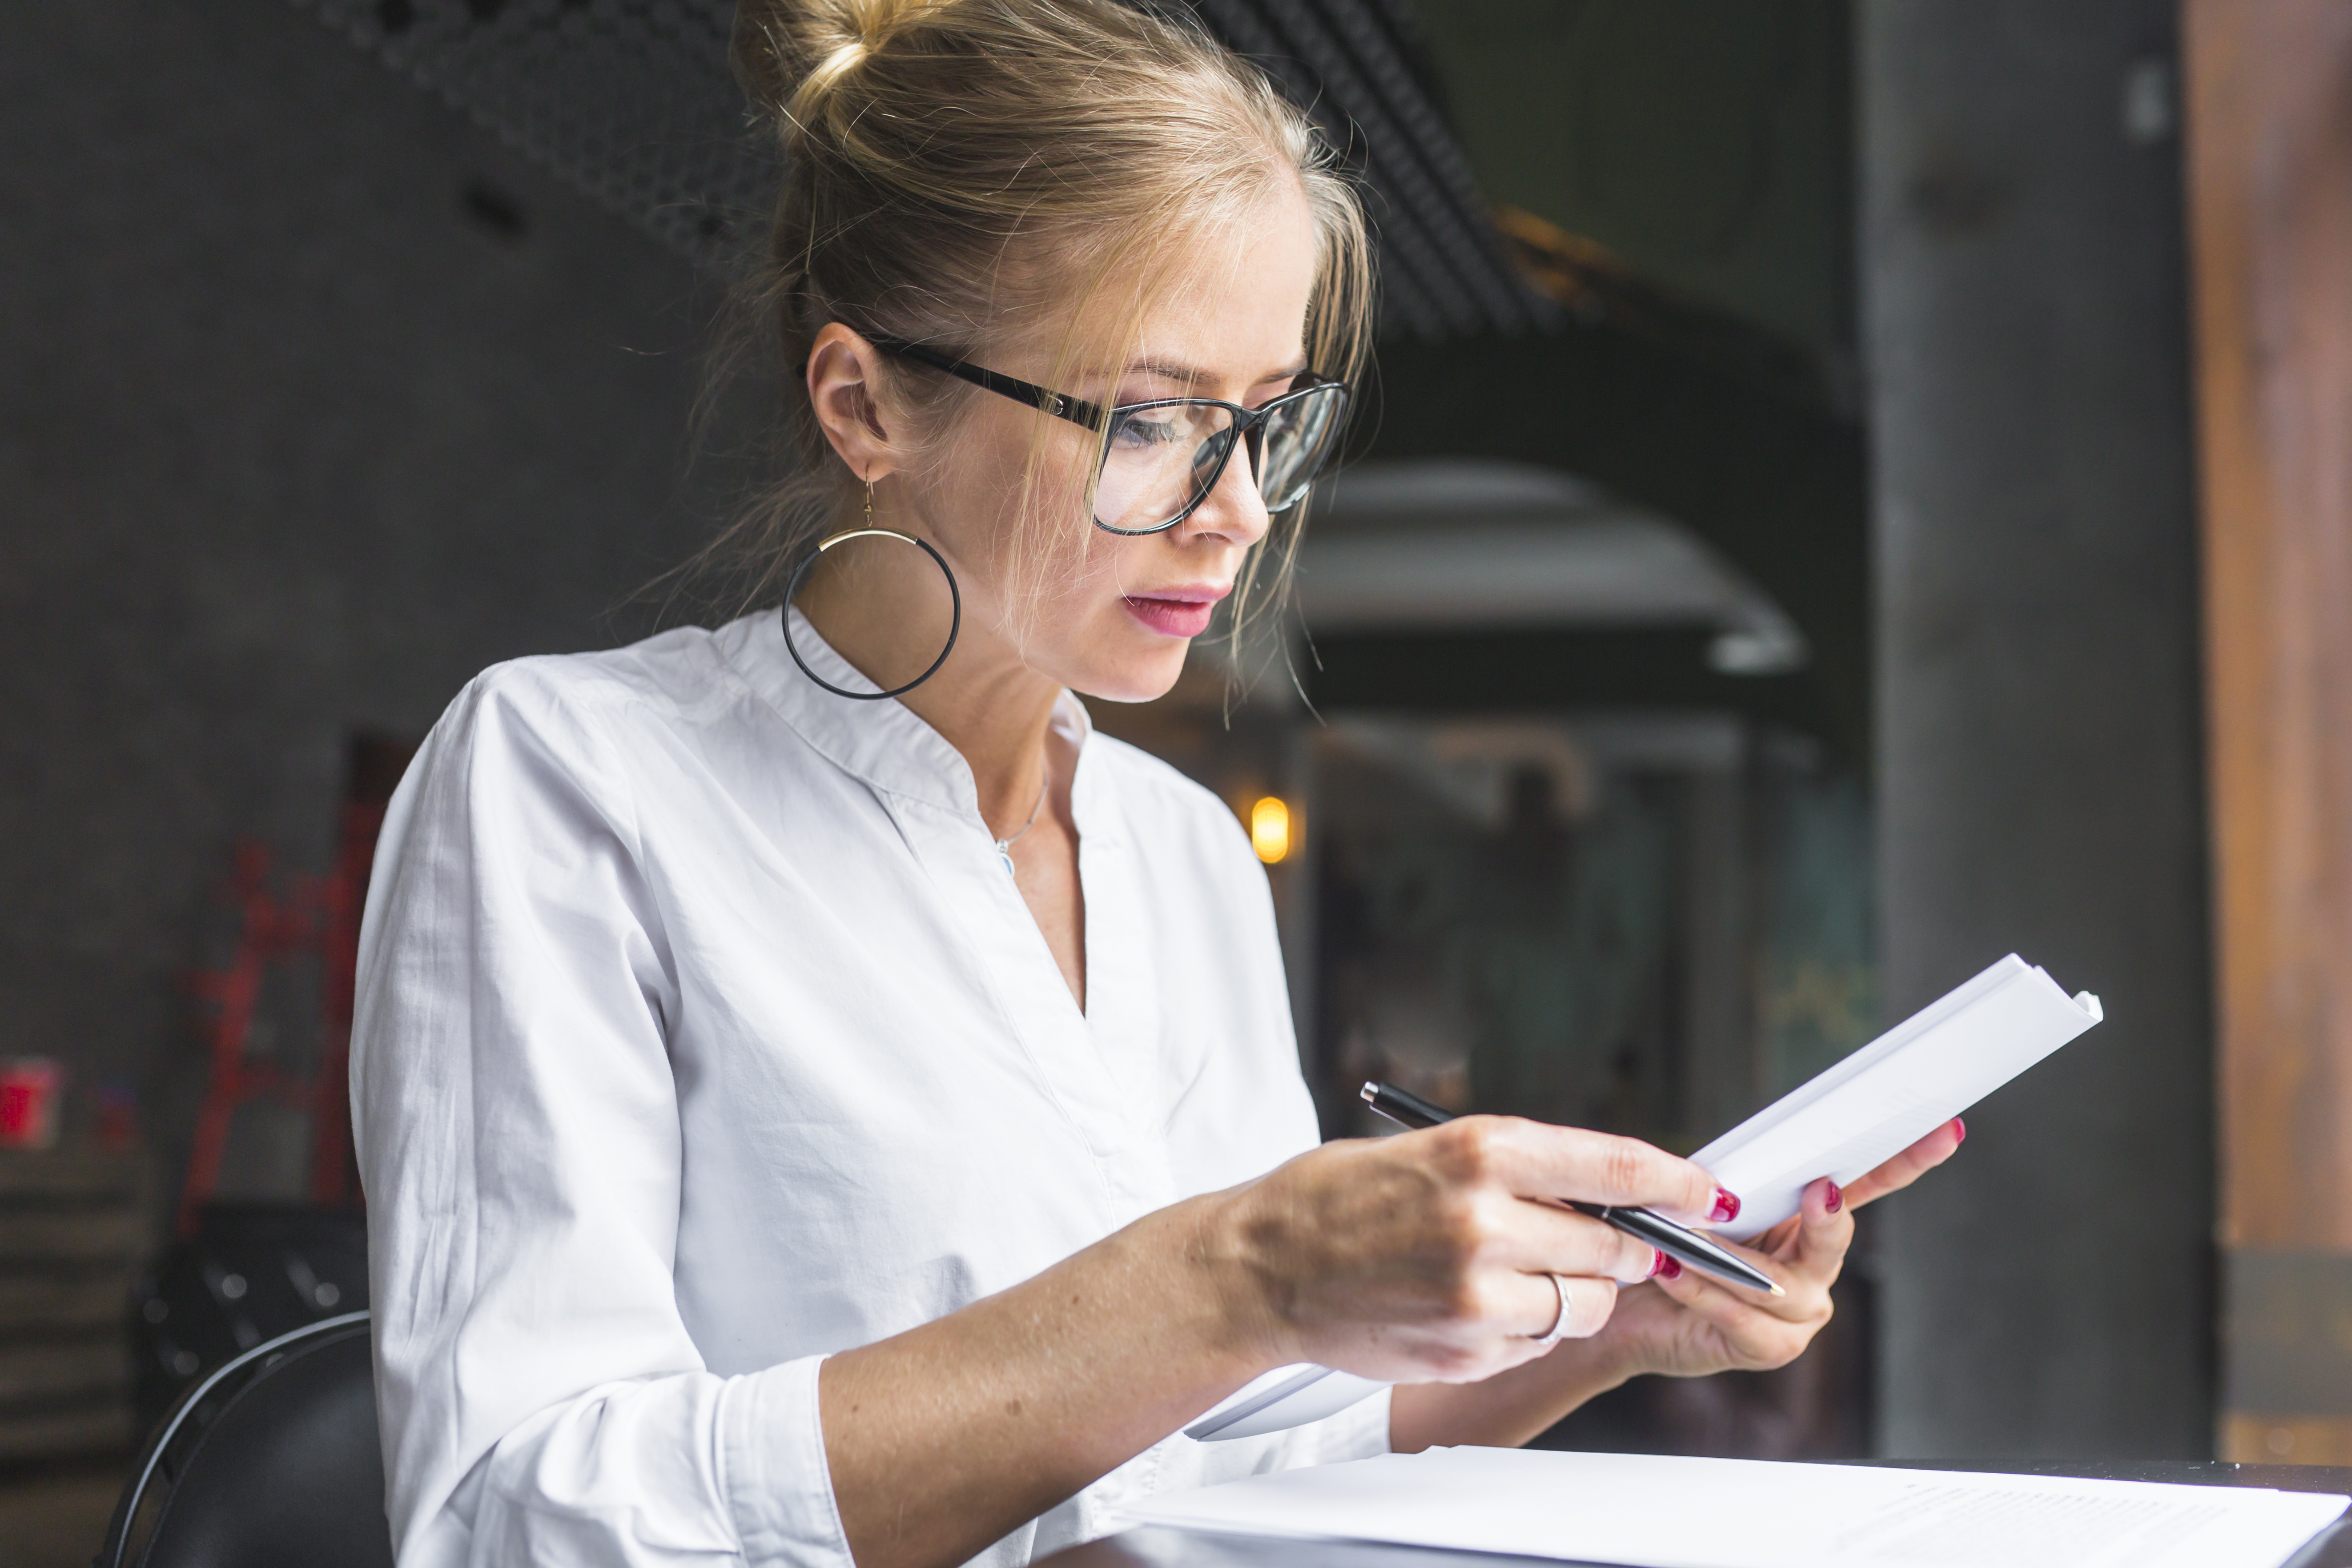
(1178, 612)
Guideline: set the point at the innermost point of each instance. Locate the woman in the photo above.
(757, 1169)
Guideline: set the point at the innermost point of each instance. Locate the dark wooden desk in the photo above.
(1157, 1548)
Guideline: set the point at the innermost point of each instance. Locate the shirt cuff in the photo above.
(1359, 1431)
(777, 1483)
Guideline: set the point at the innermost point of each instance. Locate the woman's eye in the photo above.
(1135, 431)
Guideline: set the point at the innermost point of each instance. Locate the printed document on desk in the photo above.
(1645, 1511)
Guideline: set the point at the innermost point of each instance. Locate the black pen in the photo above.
(1688, 1248)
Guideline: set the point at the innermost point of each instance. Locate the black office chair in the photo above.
(271, 1462)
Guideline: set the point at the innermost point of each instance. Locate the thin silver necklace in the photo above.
(1004, 845)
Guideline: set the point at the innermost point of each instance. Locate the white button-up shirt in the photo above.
(701, 1033)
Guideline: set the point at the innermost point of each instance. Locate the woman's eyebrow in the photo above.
(1192, 376)
(1166, 369)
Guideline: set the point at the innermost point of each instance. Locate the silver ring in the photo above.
(1552, 1336)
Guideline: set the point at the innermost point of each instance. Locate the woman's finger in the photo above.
(1557, 1240)
(1532, 1306)
(1589, 1304)
(1805, 1262)
(1909, 1165)
(1736, 1312)
(1825, 1235)
(1752, 1331)
(1540, 1162)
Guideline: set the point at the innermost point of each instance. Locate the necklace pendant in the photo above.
(1004, 845)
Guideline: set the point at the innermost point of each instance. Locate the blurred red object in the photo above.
(272, 930)
(317, 916)
(30, 1089)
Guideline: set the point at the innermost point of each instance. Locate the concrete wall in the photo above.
(290, 446)
(2038, 722)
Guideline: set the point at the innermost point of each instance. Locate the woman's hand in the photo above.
(1430, 1256)
(1687, 1325)
(1680, 1324)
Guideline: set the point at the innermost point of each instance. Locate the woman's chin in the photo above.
(1143, 675)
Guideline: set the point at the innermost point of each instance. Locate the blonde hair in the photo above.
(958, 172)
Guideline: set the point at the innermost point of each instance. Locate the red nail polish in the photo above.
(1834, 1199)
(1961, 1127)
(1727, 1207)
(1668, 1268)
(1658, 1262)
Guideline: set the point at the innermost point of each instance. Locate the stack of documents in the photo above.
(1895, 1091)
(1651, 1511)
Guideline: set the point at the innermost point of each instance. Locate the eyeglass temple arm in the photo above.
(1075, 410)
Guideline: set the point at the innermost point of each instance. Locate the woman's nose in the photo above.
(1235, 510)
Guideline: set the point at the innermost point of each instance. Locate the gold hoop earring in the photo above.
(792, 589)
(872, 531)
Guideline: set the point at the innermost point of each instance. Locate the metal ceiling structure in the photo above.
(632, 102)
(1466, 544)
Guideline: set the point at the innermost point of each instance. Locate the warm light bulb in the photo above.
(1270, 828)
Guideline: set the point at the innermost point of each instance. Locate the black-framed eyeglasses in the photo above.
(1161, 460)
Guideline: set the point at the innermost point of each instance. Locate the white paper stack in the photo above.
(1651, 1511)
(1895, 1091)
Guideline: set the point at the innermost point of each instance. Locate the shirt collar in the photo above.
(882, 741)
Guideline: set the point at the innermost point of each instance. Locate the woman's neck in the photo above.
(987, 702)
(999, 715)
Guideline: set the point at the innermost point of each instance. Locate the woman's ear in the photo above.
(844, 389)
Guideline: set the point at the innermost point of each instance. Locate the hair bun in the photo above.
(788, 51)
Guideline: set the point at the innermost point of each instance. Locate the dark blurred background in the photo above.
(1777, 575)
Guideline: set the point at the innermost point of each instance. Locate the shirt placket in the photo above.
(1036, 1005)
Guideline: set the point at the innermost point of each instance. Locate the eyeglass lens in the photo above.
(1162, 458)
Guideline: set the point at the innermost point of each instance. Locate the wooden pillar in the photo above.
(2269, 169)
